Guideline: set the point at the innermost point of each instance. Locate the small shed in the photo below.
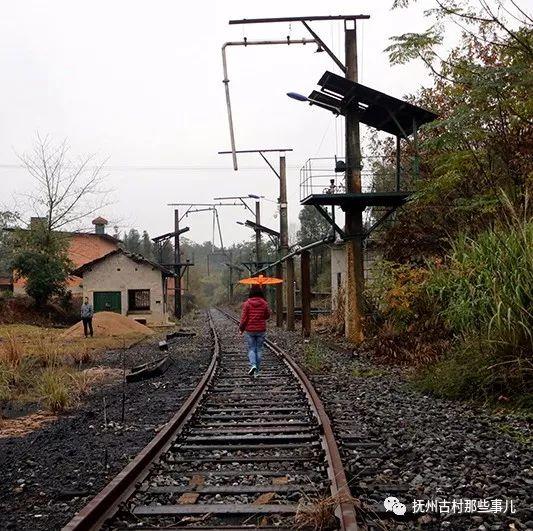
(128, 284)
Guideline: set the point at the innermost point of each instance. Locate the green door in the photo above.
(107, 301)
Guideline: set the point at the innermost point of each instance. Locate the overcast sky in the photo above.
(140, 83)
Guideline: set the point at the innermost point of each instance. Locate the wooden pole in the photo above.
(177, 267)
(279, 297)
(354, 216)
(305, 264)
(289, 284)
(258, 234)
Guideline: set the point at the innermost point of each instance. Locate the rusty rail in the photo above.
(107, 501)
(339, 485)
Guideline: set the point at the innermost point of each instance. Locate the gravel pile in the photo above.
(398, 442)
(51, 473)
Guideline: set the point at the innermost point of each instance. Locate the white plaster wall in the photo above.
(338, 265)
(120, 273)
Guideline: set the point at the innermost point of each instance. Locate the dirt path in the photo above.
(52, 472)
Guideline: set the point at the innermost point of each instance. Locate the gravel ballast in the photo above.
(396, 441)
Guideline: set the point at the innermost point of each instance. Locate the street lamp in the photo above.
(301, 97)
(296, 96)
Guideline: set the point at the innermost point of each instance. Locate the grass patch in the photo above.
(36, 364)
(516, 434)
(315, 357)
(372, 372)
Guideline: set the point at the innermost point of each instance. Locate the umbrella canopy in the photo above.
(260, 280)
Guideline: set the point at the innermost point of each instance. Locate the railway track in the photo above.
(239, 454)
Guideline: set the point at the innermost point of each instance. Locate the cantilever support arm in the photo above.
(381, 220)
(330, 220)
(271, 167)
(336, 60)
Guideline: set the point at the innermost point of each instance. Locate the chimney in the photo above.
(99, 225)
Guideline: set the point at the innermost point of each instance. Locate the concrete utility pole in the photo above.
(354, 215)
(283, 248)
(177, 266)
(284, 243)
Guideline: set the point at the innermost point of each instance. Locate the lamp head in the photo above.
(296, 96)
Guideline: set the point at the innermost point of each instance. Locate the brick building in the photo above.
(83, 247)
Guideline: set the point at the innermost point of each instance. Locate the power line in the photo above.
(156, 168)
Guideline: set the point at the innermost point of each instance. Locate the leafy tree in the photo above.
(480, 147)
(313, 226)
(41, 258)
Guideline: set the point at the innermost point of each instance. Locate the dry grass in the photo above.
(334, 322)
(37, 364)
(318, 513)
(55, 389)
(11, 352)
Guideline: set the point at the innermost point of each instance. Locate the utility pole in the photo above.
(258, 233)
(283, 247)
(284, 242)
(306, 292)
(177, 266)
(230, 286)
(354, 215)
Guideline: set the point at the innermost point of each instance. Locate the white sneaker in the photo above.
(253, 370)
(256, 373)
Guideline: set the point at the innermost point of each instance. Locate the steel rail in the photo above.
(345, 510)
(120, 488)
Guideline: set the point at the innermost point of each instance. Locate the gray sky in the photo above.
(140, 83)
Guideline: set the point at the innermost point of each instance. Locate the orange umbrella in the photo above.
(261, 280)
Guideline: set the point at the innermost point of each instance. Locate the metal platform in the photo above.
(361, 200)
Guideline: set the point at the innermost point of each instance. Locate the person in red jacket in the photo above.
(255, 312)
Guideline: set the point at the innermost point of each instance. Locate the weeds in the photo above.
(83, 381)
(36, 364)
(485, 294)
(318, 513)
(371, 372)
(11, 352)
(315, 357)
(55, 389)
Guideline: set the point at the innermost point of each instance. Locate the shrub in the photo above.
(398, 293)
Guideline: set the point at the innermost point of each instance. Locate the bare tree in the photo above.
(68, 190)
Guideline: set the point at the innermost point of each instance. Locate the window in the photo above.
(138, 299)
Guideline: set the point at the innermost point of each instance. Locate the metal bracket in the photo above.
(380, 221)
(271, 167)
(330, 220)
(336, 60)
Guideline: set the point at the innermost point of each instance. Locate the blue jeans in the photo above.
(255, 342)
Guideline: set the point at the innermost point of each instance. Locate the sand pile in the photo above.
(109, 324)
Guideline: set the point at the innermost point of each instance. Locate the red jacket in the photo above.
(255, 312)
